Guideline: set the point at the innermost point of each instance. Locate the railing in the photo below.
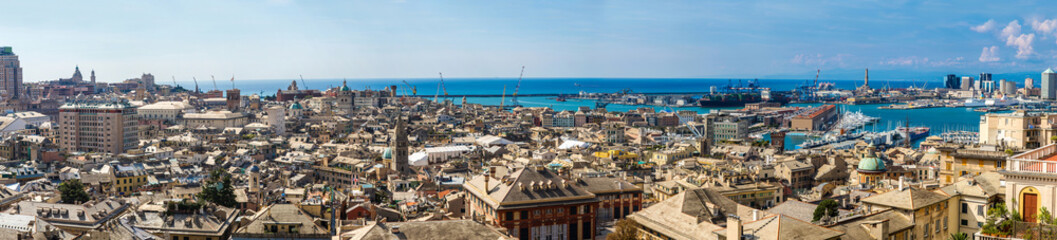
(1032, 166)
(1023, 230)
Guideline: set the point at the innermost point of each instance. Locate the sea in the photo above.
(938, 120)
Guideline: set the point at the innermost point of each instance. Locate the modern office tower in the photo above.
(97, 126)
(967, 83)
(985, 77)
(1029, 83)
(10, 74)
(1049, 84)
(988, 86)
(951, 82)
(1010, 88)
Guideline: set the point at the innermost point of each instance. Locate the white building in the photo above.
(168, 110)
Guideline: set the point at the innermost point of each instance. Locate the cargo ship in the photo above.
(915, 132)
(729, 99)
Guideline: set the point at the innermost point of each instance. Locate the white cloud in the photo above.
(1046, 26)
(819, 59)
(1013, 28)
(906, 61)
(990, 54)
(948, 62)
(986, 27)
(1023, 42)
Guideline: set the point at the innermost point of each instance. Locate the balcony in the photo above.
(1040, 160)
(1022, 230)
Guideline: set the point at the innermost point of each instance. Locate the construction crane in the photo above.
(303, 84)
(502, 98)
(414, 91)
(196, 85)
(174, 81)
(215, 88)
(517, 88)
(440, 86)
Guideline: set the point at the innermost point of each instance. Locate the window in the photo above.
(524, 215)
(926, 230)
(980, 210)
(944, 223)
(965, 222)
(509, 216)
(937, 226)
(965, 208)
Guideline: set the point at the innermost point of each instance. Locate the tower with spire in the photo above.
(93, 76)
(346, 98)
(398, 145)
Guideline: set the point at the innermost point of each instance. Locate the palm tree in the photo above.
(958, 236)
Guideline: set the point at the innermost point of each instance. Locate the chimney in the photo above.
(733, 228)
(901, 178)
(755, 214)
(878, 229)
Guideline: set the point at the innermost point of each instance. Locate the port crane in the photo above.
(303, 84)
(215, 88)
(502, 98)
(517, 88)
(196, 85)
(414, 90)
(440, 86)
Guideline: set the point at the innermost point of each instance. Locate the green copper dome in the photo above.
(296, 105)
(387, 154)
(871, 163)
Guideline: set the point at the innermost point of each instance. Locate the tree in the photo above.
(827, 208)
(217, 189)
(625, 229)
(959, 236)
(72, 191)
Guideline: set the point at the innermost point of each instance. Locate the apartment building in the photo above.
(108, 127)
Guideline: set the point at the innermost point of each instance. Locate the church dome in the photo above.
(296, 106)
(387, 154)
(254, 169)
(871, 164)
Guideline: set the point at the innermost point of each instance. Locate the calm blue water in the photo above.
(538, 85)
(938, 119)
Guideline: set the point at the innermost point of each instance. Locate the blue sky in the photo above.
(417, 39)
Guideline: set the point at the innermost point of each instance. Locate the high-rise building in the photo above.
(967, 82)
(10, 74)
(1049, 84)
(1029, 83)
(987, 86)
(97, 126)
(985, 77)
(951, 82)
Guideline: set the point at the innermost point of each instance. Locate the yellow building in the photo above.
(927, 209)
(959, 162)
(663, 157)
(128, 179)
(617, 155)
